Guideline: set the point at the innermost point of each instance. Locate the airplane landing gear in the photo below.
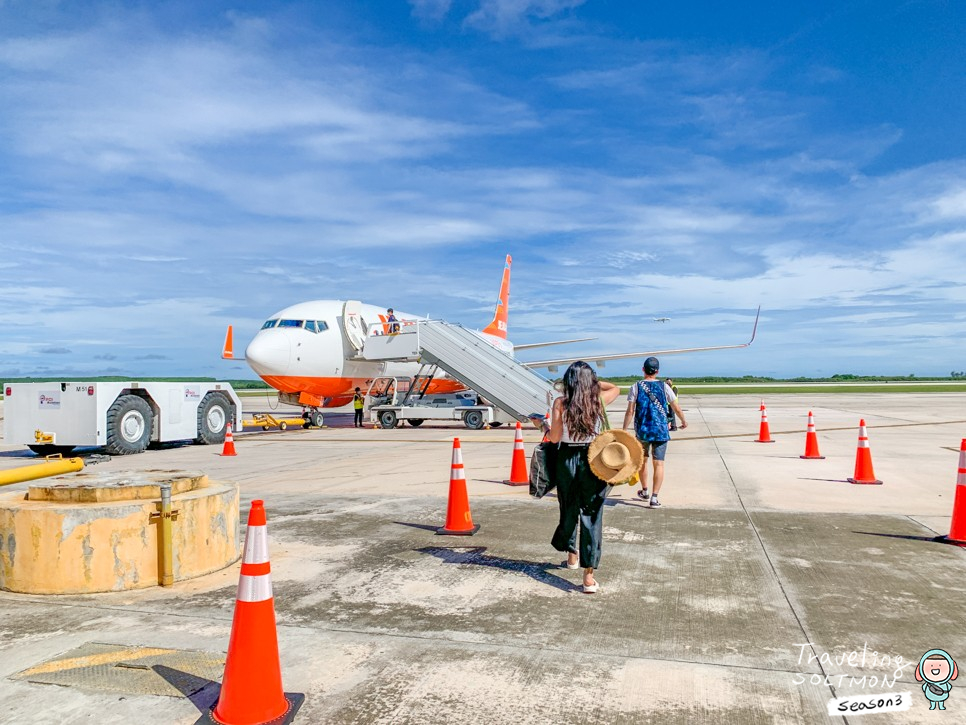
(313, 418)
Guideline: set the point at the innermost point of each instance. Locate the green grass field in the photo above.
(697, 386)
(757, 389)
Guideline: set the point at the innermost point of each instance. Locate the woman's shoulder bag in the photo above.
(541, 469)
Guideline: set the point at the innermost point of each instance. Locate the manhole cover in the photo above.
(130, 669)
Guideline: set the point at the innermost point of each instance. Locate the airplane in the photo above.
(660, 319)
(309, 352)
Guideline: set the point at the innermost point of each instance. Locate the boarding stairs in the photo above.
(465, 356)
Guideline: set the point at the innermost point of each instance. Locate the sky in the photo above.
(169, 168)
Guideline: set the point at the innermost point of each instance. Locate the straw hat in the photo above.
(615, 456)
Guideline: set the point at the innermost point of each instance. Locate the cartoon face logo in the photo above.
(935, 671)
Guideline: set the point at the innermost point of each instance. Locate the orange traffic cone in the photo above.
(763, 435)
(519, 476)
(957, 529)
(229, 449)
(459, 522)
(251, 689)
(863, 459)
(811, 440)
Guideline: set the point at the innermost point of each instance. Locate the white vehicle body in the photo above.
(123, 417)
(387, 409)
(473, 417)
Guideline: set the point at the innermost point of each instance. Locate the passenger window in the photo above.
(290, 323)
(269, 324)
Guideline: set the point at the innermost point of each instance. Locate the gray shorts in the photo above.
(657, 449)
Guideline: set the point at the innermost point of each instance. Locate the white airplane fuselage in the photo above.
(305, 350)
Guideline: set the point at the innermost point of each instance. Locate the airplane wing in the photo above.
(531, 345)
(600, 360)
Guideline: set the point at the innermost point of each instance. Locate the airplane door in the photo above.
(352, 322)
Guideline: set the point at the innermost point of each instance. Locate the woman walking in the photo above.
(576, 419)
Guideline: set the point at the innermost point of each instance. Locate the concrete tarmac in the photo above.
(765, 586)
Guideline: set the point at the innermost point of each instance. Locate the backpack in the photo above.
(650, 412)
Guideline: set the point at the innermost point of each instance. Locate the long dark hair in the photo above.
(581, 400)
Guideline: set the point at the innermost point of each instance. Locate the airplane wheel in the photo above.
(473, 420)
(283, 425)
(387, 419)
(316, 419)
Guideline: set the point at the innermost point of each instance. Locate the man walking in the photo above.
(647, 407)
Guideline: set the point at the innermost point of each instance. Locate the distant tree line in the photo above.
(838, 377)
(236, 384)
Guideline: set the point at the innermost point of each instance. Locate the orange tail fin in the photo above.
(498, 327)
(228, 353)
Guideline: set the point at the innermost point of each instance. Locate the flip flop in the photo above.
(592, 589)
(568, 566)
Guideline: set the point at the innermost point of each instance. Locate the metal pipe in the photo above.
(167, 551)
(41, 470)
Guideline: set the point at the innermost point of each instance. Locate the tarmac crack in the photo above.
(771, 565)
(208, 617)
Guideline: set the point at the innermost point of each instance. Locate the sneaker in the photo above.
(642, 494)
(655, 503)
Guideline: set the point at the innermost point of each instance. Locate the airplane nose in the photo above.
(269, 354)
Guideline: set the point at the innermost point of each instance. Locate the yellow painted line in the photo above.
(104, 658)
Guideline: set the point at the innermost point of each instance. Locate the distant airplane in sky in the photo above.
(661, 319)
(311, 352)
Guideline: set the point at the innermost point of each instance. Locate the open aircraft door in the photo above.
(352, 322)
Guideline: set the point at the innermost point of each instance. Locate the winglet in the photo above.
(228, 353)
(498, 327)
(755, 328)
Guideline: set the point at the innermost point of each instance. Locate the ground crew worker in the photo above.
(358, 403)
(393, 322)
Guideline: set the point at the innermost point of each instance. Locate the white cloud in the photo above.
(951, 205)
(509, 17)
(434, 10)
(152, 260)
(161, 184)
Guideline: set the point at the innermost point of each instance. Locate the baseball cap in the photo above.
(651, 365)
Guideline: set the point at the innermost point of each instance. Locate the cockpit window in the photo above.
(310, 325)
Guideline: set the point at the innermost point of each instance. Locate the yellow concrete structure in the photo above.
(99, 532)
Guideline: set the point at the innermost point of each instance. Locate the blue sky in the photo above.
(169, 168)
